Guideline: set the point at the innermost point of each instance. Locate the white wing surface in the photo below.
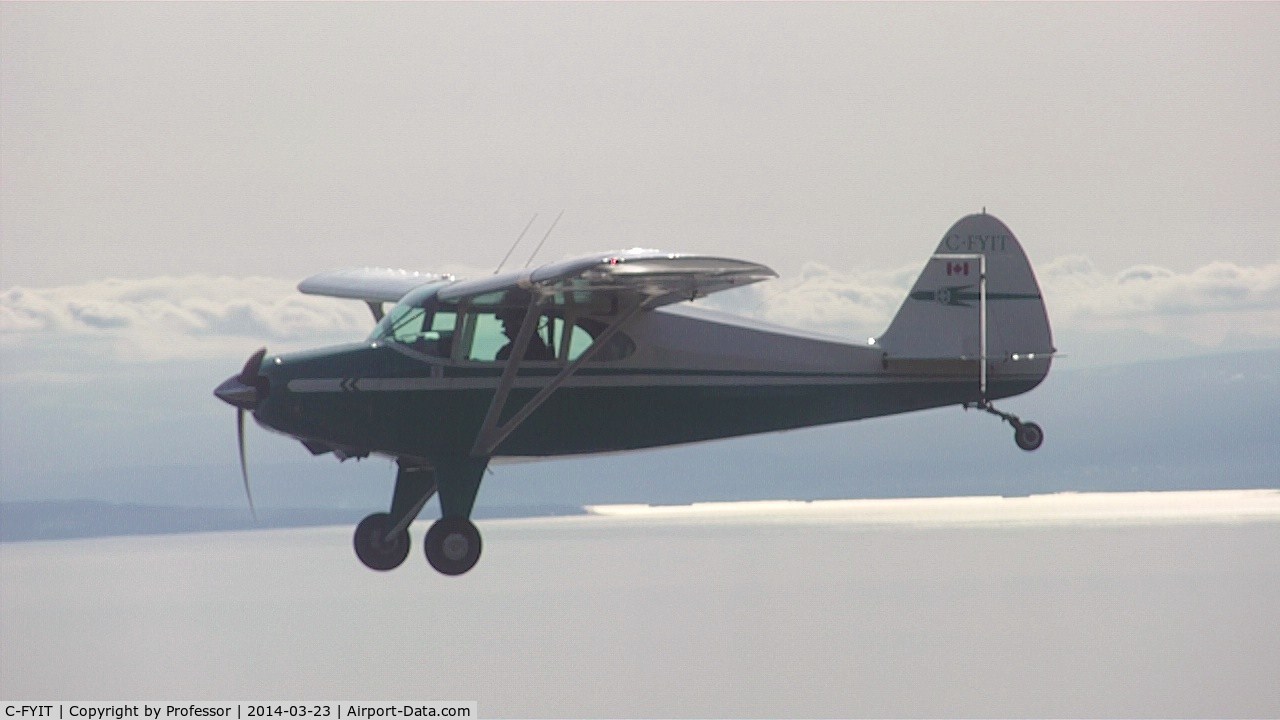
(373, 285)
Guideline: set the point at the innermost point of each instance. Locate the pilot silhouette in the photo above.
(512, 316)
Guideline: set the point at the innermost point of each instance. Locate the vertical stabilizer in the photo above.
(942, 316)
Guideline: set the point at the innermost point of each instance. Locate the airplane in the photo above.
(606, 352)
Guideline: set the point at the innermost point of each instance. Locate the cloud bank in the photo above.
(1080, 291)
(174, 317)
(201, 316)
(1204, 305)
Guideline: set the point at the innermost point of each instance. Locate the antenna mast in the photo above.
(517, 242)
(544, 239)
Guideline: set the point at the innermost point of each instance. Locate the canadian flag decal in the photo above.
(957, 268)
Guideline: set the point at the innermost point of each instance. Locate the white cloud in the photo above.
(1209, 305)
(174, 317)
(1145, 290)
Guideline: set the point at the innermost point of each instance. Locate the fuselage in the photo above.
(686, 375)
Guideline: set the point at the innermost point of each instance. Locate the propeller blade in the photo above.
(244, 468)
(249, 374)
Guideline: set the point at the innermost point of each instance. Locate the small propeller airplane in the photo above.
(604, 353)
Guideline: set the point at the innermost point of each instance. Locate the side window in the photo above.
(443, 321)
(490, 324)
(487, 338)
(492, 336)
(579, 341)
(584, 333)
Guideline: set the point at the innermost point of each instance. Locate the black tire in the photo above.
(1028, 436)
(372, 547)
(453, 545)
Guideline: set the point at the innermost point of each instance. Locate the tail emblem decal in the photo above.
(964, 295)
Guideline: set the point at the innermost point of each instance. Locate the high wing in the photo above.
(664, 277)
(658, 277)
(652, 276)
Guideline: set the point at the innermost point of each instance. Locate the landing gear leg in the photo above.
(1027, 435)
(382, 539)
(453, 542)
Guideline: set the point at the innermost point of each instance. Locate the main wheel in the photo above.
(453, 545)
(372, 546)
(1028, 436)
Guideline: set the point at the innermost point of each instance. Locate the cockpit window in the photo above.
(483, 329)
(490, 324)
(419, 323)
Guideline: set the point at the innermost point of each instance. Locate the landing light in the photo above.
(1015, 356)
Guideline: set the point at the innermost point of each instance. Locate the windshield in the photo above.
(416, 321)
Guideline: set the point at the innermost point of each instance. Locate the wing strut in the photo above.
(491, 433)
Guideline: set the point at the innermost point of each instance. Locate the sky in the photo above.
(169, 172)
(1066, 606)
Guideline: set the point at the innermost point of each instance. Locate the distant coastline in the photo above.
(71, 519)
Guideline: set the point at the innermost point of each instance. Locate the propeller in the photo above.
(244, 467)
(245, 391)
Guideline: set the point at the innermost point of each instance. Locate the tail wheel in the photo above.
(453, 545)
(374, 549)
(1028, 436)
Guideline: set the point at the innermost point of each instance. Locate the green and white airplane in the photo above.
(604, 353)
